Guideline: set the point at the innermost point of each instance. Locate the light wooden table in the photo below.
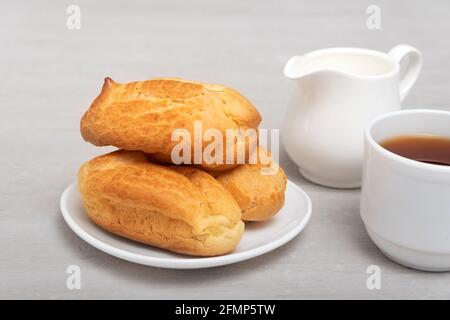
(51, 74)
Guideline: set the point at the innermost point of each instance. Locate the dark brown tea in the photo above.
(421, 147)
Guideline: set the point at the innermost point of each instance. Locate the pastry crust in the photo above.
(143, 115)
(181, 209)
(260, 196)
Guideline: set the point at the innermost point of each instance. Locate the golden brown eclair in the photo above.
(258, 188)
(143, 115)
(181, 209)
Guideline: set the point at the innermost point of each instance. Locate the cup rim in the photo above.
(396, 157)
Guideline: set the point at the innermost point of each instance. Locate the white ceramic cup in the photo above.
(405, 204)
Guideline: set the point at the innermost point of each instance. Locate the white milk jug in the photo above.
(337, 92)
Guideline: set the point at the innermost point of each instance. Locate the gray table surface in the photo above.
(51, 74)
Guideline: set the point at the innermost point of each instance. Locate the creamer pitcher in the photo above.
(338, 91)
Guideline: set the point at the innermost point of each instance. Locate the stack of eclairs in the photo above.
(144, 193)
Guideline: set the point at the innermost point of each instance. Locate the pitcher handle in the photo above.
(398, 53)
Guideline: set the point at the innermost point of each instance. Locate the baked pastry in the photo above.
(143, 116)
(181, 209)
(258, 188)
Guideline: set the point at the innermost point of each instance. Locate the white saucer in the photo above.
(259, 237)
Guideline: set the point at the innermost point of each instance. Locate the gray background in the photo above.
(49, 76)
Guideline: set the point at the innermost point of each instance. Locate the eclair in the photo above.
(181, 209)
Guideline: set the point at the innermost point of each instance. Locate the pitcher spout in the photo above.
(292, 69)
(298, 67)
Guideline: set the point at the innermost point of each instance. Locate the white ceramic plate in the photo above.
(259, 237)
